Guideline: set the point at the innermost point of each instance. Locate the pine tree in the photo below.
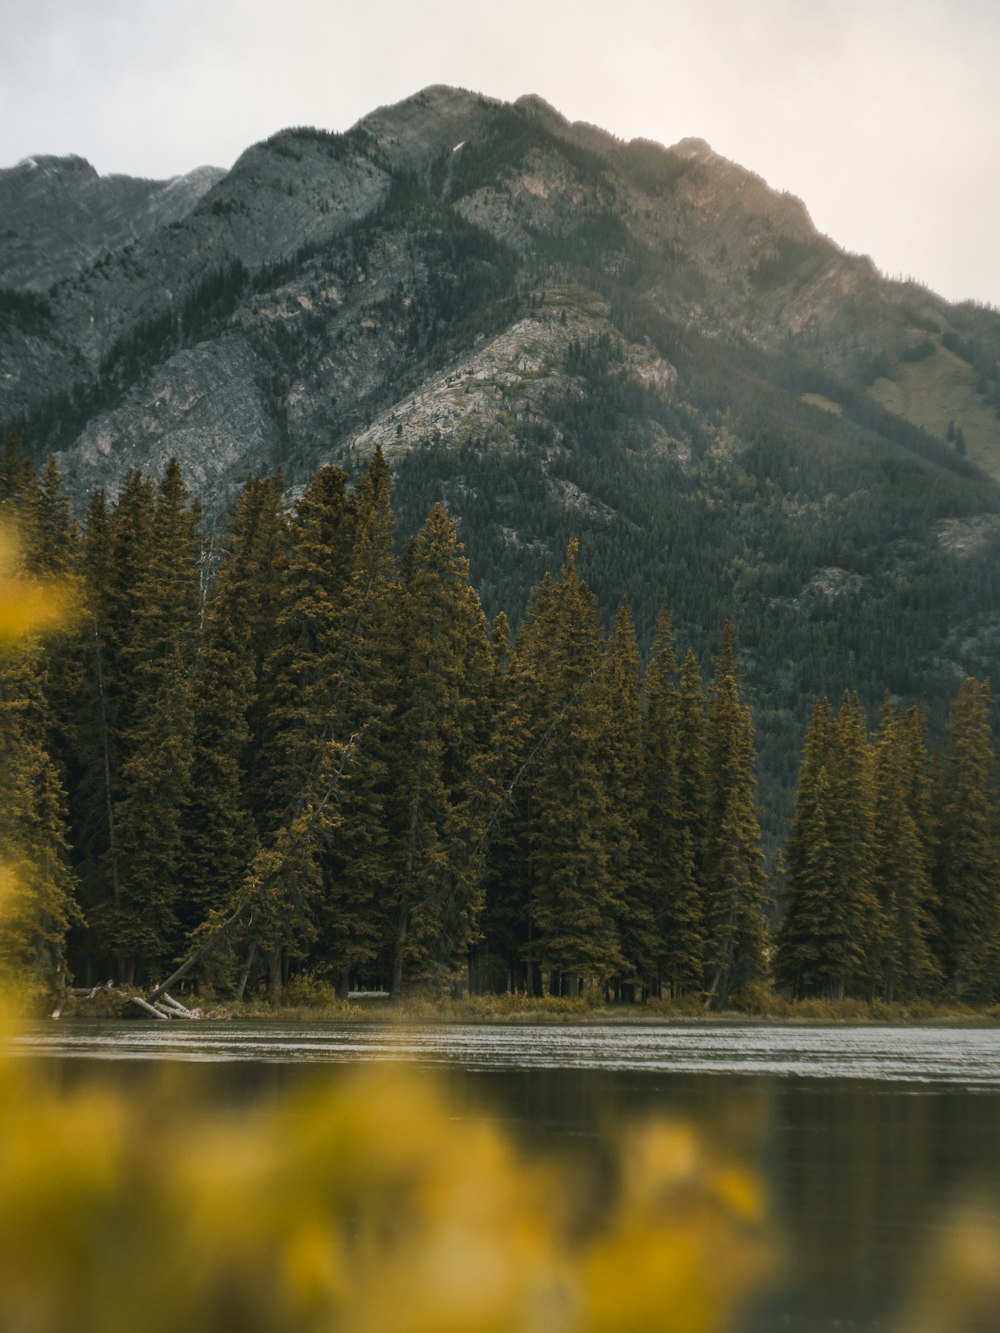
(800, 958)
(301, 746)
(357, 864)
(832, 935)
(734, 875)
(902, 867)
(526, 710)
(575, 907)
(620, 718)
(857, 927)
(668, 827)
(157, 741)
(968, 866)
(97, 749)
(441, 791)
(238, 631)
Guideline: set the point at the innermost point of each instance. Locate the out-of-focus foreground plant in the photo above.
(36, 889)
(27, 606)
(365, 1205)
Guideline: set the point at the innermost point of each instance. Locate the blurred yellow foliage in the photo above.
(27, 606)
(960, 1289)
(365, 1204)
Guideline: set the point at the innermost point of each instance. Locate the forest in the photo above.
(309, 754)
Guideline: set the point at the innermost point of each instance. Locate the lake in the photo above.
(868, 1138)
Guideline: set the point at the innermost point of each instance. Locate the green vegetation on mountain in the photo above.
(314, 758)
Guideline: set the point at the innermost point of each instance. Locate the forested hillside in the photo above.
(558, 336)
(283, 739)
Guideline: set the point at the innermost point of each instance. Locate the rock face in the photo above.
(312, 280)
(59, 216)
(561, 335)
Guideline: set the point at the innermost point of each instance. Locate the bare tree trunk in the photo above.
(106, 756)
(274, 972)
(251, 955)
(397, 961)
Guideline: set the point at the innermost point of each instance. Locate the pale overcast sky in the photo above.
(882, 115)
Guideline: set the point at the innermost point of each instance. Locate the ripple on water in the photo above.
(968, 1057)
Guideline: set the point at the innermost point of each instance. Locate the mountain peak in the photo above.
(695, 148)
(70, 165)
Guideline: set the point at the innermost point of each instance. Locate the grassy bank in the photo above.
(315, 1002)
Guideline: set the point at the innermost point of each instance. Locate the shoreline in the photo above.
(498, 1012)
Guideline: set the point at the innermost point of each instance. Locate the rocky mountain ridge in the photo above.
(60, 216)
(561, 335)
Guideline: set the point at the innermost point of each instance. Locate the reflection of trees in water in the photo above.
(868, 1174)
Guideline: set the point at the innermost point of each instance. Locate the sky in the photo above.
(883, 116)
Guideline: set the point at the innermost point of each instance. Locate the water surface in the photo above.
(867, 1137)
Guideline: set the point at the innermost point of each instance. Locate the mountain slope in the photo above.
(562, 335)
(60, 216)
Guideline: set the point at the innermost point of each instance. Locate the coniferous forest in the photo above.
(287, 750)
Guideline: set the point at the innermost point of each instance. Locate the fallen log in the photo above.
(150, 1009)
(177, 1009)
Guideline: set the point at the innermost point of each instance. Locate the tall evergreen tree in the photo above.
(441, 788)
(801, 964)
(357, 865)
(238, 632)
(575, 906)
(903, 857)
(669, 823)
(734, 877)
(526, 709)
(968, 865)
(619, 708)
(301, 746)
(832, 934)
(157, 742)
(857, 926)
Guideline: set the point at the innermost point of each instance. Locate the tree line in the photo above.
(316, 755)
(892, 888)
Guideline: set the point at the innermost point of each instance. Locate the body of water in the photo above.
(869, 1139)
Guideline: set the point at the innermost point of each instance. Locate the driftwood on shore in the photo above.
(149, 1009)
(165, 1007)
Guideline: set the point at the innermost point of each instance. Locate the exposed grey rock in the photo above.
(59, 216)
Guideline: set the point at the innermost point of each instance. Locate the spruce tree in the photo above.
(967, 874)
(734, 874)
(300, 748)
(669, 838)
(441, 788)
(857, 927)
(357, 862)
(526, 710)
(620, 718)
(157, 741)
(832, 934)
(800, 957)
(97, 745)
(575, 906)
(238, 632)
(903, 857)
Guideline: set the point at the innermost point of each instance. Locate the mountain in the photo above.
(561, 334)
(61, 216)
